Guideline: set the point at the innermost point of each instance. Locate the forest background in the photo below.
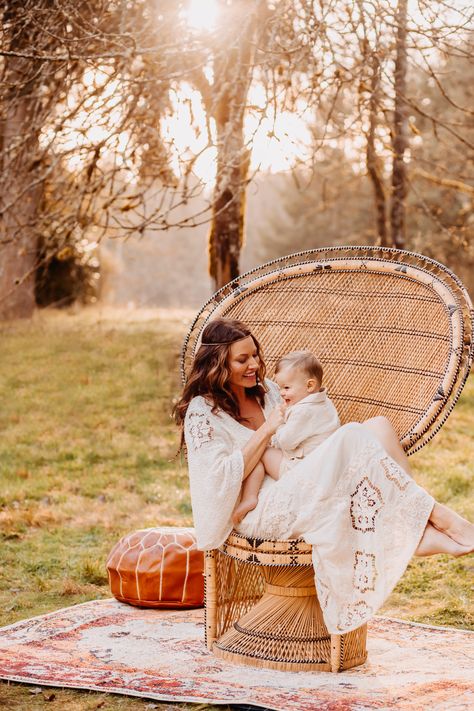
(146, 144)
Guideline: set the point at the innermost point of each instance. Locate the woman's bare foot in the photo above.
(243, 507)
(435, 541)
(453, 525)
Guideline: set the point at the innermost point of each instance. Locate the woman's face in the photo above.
(243, 363)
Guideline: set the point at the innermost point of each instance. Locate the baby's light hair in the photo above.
(304, 361)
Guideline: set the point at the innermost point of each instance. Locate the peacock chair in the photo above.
(394, 332)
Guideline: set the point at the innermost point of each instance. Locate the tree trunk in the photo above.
(19, 191)
(373, 162)
(399, 131)
(228, 214)
(230, 97)
(17, 236)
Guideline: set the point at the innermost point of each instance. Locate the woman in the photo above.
(351, 498)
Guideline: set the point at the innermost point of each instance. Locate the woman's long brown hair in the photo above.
(210, 373)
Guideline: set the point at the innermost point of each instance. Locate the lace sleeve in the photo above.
(216, 470)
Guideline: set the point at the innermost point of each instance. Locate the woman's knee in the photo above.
(382, 428)
(348, 427)
(379, 419)
(380, 423)
(387, 436)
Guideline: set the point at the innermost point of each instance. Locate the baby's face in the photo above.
(294, 385)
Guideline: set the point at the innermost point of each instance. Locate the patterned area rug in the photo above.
(109, 646)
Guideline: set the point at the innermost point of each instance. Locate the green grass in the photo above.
(87, 453)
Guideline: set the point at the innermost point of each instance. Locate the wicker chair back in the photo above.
(393, 330)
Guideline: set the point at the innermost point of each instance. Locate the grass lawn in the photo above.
(87, 453)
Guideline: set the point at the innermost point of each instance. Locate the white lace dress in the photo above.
(362, 514)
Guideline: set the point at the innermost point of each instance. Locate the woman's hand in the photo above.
(275, 419)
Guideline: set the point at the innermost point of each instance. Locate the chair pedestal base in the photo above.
(285, 629)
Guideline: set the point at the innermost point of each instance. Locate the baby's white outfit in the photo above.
(307, 424)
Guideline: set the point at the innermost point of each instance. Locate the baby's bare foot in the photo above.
(243, 508)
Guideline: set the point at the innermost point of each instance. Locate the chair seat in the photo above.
(264, 551)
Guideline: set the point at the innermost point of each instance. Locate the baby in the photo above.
(309, 419)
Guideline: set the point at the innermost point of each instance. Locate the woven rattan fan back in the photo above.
(393, 330)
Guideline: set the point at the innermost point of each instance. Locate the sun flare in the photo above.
(202, 14)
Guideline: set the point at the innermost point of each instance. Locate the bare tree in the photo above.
(404, 86)
(225, 100)
(21, 185)
(399, 130)
(84, 87)
(399, 46)
(108, 71)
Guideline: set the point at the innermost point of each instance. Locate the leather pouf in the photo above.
(157, 567)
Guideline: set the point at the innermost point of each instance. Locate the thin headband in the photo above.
(225, 343)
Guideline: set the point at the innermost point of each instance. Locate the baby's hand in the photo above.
(276, 418)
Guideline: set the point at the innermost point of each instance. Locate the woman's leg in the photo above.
(443, 518)
(388, 438)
